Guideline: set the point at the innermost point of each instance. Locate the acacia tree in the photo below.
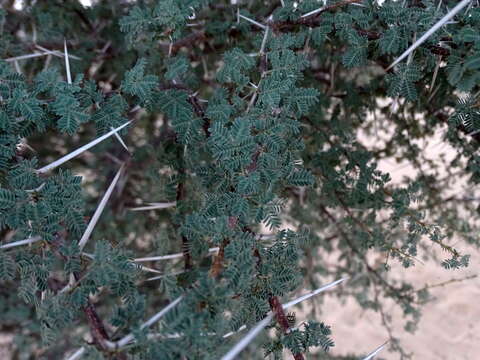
(147, 146)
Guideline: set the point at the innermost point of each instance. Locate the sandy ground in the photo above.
(5, 345)
(449, 327)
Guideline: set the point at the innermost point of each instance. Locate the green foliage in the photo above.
(236, 64)
(68, 108)
(403, 82)
(247, 122)
(356, 54)
(7, 267)
(174, 104)
(138, 84)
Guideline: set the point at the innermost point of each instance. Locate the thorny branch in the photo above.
(399, 294)
(97, 327)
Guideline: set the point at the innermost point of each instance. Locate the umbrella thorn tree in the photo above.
(173, 174)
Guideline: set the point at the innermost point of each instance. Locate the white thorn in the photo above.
(44, 52)
(128, 338)
(17, 67)
(154, 206)
(313, 293)
(375, 352)
(21, 242)
(433, 29)
(475, 132)
(264, 41)
(120, 140)
(77, 354)
(170, 256)
(253, 21)
(99, 210)
(135, 108)
(313, 12)
(67, 62)
(410, 56)
(164, 275)
(143, 268)
(252, 334)
(80, 150)
(439, 5)
(147, 269)
(435, 73)
(22, 57)
(56, 53)
(70, 285)
(241, 328)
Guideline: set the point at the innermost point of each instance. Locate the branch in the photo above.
(179, 198)
(217, 265)
(194, 101)
(394, 291)
(117, 345)
(97, 328)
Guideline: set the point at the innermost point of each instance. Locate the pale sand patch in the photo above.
(449, 327)
(5, 346)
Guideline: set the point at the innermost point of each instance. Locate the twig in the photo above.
(282, 321)
(17, 67)
(180, 196)
(448, 282)
(114, 346)
(97, 328)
